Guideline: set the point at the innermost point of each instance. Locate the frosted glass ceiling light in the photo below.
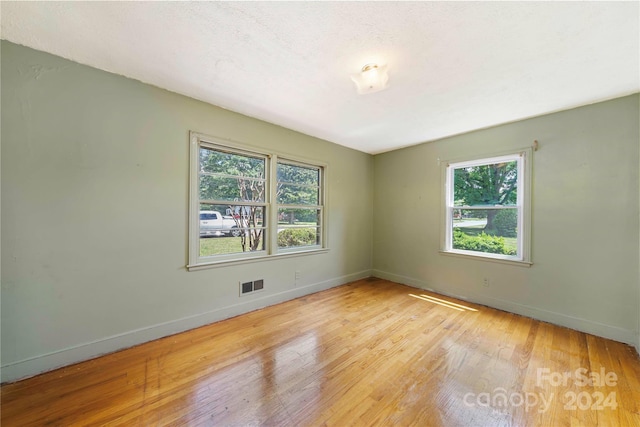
(373, 78)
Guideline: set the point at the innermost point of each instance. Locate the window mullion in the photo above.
(231, 202)
(316, 207)
(272, 244)
(485, 207)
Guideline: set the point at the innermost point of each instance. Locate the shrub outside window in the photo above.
(248, 204)
(487, 207)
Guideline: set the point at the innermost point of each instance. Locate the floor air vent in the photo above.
(254, 286)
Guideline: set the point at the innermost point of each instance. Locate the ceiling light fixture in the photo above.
(373, 78)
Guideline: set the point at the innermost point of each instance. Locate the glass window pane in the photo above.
(298, 185)
(292, 194)
(214, 161)
(252, 240)
(486, 230)
(298, 236)
(299, 227)
(231, 189)
(288, 218)
(298, 174)
(236, 228)
(494, 184)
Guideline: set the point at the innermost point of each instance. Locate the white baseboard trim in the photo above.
(584, 325)
(35, 365)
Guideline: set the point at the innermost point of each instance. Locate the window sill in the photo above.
(516, 263)
(228, 263)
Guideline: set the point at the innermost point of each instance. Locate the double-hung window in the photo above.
(487, 207)
(247, 203)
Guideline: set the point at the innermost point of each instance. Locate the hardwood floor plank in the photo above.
(370, 353)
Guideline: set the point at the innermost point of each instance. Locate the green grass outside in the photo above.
(220, 245)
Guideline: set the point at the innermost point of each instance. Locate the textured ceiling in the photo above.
(454, 66)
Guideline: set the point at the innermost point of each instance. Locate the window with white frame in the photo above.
(247, 204)
(487, 207)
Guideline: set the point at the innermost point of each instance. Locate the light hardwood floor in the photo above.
(367, 353)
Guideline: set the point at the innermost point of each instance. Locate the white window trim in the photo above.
(525, 167)
(195, 261)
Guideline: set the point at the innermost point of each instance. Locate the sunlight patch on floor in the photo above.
(443, 303)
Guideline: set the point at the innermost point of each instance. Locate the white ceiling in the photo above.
(454, 66)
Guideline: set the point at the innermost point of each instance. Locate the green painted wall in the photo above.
(584, 229)
(94, 214)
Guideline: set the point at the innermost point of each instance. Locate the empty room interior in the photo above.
(320, 213)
